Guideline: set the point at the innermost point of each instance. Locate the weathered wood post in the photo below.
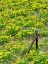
(31, 45)
(36, 39)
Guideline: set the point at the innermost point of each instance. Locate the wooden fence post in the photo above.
(31, 44)
(36, 40)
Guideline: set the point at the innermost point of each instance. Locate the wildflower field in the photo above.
(18, 21)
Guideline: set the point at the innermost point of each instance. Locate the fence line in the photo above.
(35, 39)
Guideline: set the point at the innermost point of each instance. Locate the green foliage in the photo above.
(18, 21)
(4, 39)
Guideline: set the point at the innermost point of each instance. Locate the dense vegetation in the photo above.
(18, 21)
